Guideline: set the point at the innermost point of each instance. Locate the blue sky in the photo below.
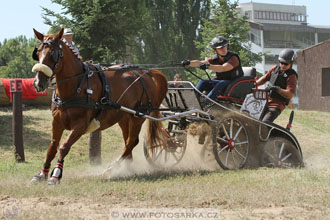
(18, 17)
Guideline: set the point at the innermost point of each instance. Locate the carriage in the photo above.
(89, 98)
(238, 138)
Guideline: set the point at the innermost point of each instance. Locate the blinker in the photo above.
(35, 55)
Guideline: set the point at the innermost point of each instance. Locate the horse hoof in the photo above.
(53, 181)
(39, 178)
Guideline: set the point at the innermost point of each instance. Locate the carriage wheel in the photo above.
(231, 144)
(280, 153)
(168, 154)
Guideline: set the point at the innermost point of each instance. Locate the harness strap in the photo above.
(146, 109)
(63, 102)
(106, 91)
(81, 102)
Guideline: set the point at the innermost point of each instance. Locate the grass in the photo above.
(84, 194)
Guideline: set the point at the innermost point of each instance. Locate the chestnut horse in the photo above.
(80, 104)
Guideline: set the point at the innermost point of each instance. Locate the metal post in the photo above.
(17, 122)
(95, 148)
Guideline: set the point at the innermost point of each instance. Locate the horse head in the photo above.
(49, 56)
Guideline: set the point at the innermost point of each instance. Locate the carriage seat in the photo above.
(240, 87)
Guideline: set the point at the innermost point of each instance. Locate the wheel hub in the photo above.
(231, 144)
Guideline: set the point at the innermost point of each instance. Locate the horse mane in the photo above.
(71, 49)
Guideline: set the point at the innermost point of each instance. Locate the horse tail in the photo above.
(155, 129)
(155, 132)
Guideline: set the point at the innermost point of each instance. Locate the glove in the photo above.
(204, 66)
(273, 88)
(185, 62)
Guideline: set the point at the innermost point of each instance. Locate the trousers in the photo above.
(213, 87)
(271, 114)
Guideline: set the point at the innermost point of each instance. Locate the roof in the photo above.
(316, 45)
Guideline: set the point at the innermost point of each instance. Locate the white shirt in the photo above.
(73, 45)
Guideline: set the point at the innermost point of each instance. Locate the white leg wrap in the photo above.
(57, 172)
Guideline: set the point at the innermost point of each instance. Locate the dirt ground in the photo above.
(96, 202)
(56, 207)
(66, 208)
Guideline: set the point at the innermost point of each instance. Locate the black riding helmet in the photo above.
(286, 56)
(218, 42)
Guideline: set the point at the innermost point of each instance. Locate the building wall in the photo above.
(310, 62)
(268, 13)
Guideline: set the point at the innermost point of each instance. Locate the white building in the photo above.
(275, 27)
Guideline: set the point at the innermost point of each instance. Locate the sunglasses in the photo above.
(285, 64)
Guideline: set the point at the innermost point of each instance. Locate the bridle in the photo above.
(55, 55)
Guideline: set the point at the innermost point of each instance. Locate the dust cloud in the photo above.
(197, 157)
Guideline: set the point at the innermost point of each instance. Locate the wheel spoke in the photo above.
(224, 129)
(239, 153)
(159, 153)
(231, 127)
(226, 162)
(219, 152)
(285, 166)
(223, 140)
(281, 150)
(174, 155)
(231, 137)
(286, 157)
(168, 154)
(232, 155)
(270, 155)
(237, 133)
(240, 143)
(267, 164)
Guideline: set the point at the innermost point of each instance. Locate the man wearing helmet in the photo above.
(282, 85)
(227, 66)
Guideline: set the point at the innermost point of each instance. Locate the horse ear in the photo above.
(40, 36)
(60, 34)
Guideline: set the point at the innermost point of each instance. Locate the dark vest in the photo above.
(280, 80)
(231, 74)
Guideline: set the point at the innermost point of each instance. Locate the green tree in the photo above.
(141, 31)
(15, 58)
(225, 21)
(171, 28)
(104, 29)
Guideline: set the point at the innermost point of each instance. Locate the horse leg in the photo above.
(57, 132)
(124, 125)
(131, 128)
(64, 149)
(135, 125)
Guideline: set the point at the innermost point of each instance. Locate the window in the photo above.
(326, 81)
(277, 16)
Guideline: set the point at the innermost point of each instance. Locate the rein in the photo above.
(92, 72)
(130, 86)
(67, 79)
